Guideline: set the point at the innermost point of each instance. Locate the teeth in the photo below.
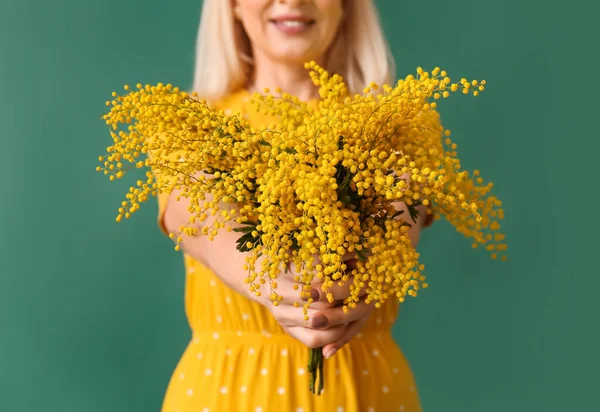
(292, 23)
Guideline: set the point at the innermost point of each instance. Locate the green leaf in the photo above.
(295, 244)
(242, 242)
(244, 229)
(398, 213)
(361, 255)
(413, 211)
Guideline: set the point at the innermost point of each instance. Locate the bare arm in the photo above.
(223, 258)
(219, 255)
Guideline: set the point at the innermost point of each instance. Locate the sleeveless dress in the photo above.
(240, 359)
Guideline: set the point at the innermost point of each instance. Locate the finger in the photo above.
(289, 315)
(351, 330)
(323, 305)
(286, 293)
(316, 338)
(287, 290)
(288, 296)
(338, 292)
(336, 316)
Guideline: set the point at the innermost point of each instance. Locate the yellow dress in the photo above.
(239, 359)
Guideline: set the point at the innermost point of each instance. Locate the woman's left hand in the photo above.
(357, 317)
(354, 319)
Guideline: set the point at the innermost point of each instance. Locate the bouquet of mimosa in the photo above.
(322, 181)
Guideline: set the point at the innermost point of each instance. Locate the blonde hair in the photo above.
(359, 53)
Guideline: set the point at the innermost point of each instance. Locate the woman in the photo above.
(246, 354)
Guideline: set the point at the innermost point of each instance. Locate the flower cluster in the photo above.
(325, 180)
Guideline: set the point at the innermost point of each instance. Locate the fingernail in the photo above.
(330, 353)
(320, 321)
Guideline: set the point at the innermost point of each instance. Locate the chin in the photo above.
(295, 55)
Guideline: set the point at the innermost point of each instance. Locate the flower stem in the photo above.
(315, 366)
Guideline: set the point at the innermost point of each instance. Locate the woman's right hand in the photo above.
(327, 324)
(292, 318)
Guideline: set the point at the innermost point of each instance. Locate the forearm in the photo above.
(220, 255)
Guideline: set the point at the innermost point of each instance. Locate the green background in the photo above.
(91, 312)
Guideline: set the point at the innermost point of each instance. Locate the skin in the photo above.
(279, 62)
(278, 57)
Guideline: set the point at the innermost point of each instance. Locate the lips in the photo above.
(292, 24)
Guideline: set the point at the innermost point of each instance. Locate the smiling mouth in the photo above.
(293, 24)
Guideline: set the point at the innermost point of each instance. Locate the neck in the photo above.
(291, 78)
